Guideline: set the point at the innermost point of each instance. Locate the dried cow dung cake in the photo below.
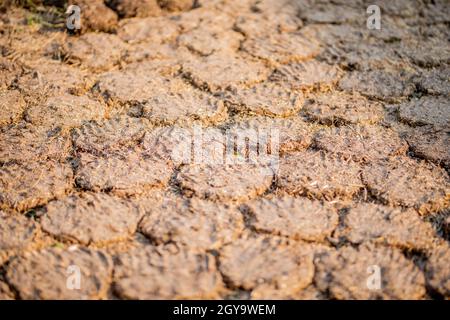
(260, 262)
(9, 72)
(429, 53)
(5, 292)
(16, 232)
(91, 218)
(265, 99)
(198, 224)
(95, 51)
(154, 30)
(405, 182)
(319, 175)
(286, 135)
(106, 136)
(24, 143)
(65, 111)
(384, 85)
(176, 5)
(437, 271)
(43, 275)
(435, 81)
(207, 40)
(54, 78)
(433, 111)
(135, 8)
(96, 15)
(368, 272)
(401, 228)
(12, 106)
(281, 47)
(219, 71)
(430, 144)
(165, 272)
(25, 186)
(225, 182)
(297, 218)
(306, 75)
(342, 108)
(361, 143)
(187, 145)
(178, 102)
(330, 13)
(130, 86)
(125, 173)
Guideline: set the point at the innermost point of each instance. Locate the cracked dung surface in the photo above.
(23, 142)
(95, 51)
(42, 275)
(345, 274)
(129, 172)
(178, 102)
(437, 271)
(401, 228)
(17, 234)
(11, 106)
(294, 134)
(208, 40)
(265, 99)
(105, 136)
(379, 84)
(54, 77)
(222, 70)
(90, 218)
(341, 108)
(225, 182)
(166, 273)
(5, 292)
(426, 111)
(24, 186)
(435, 81)
(406, 182)
(245, 263)
(281, 48)
(361, 143)
(319, 175)
(65, 111)
(256, 149)
(198, 224)
(300, 219)
(430, 144)
(306, 75)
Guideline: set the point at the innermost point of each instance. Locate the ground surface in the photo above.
(92, 178)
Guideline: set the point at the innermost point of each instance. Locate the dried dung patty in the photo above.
(197, 224)
(265, 261)
(405, 182)
(361, 143)
(319, 175)
(90, 218)
(400, 228)
(43, 275)
(166, 273)
(346, 274)
(297, 218)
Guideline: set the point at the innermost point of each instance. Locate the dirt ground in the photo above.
(92, 187)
